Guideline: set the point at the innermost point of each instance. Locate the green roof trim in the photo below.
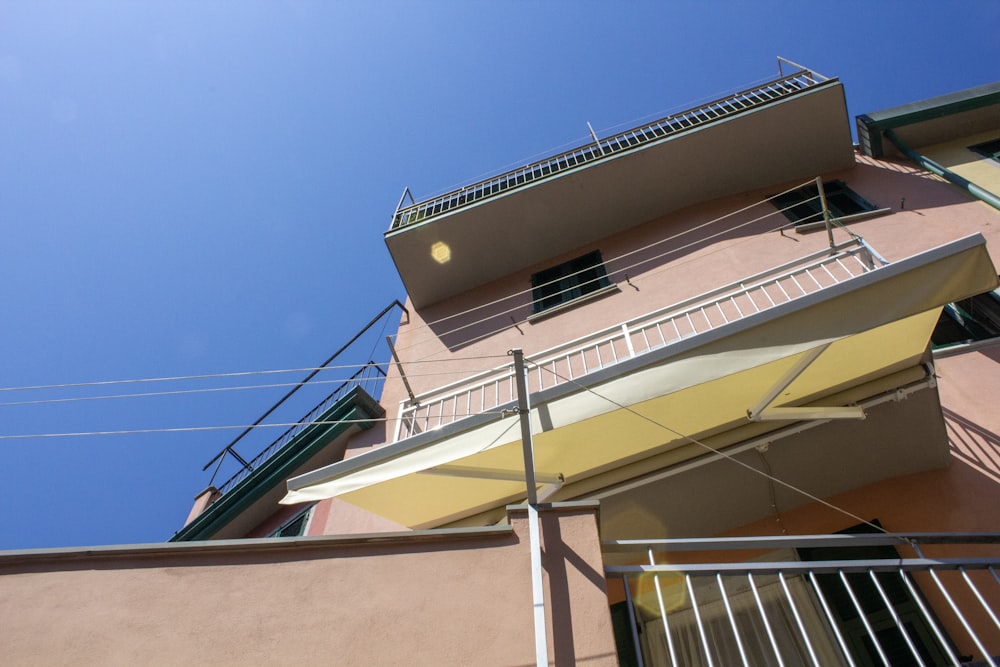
(872, 125)
(355, 408)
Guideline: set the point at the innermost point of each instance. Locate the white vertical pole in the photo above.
(534, 532)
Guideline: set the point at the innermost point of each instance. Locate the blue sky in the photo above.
(196, 188)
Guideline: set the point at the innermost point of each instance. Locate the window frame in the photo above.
(989, 149)
(568, 283)
(803, 207)
(305, 516)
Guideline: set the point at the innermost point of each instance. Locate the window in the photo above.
(568, 281)
(990, 149)
(295, 526)
(803, 206)
(891, 640)
(972, 319)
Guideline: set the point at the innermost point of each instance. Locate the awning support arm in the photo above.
(497, 474)
(764, 412)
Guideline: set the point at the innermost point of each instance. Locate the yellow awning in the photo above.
(870, 328)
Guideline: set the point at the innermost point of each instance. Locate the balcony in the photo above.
(836, 336)
(846, 599)
(576, 359)
(491, 228)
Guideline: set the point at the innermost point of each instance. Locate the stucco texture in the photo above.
(461, 599)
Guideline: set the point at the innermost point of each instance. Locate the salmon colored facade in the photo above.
(716, 347)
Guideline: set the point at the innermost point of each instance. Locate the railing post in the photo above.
(826, 213)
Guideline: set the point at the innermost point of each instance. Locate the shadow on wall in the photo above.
(972, 444)
(506, 304)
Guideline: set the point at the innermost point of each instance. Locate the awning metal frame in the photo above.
(764, 411)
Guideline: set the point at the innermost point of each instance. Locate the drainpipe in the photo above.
(950, 176)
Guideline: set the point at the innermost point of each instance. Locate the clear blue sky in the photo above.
(202, 187)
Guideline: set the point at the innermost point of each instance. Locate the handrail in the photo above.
(607, 148)
(363, 378)
(491, 388)
(829, 600)
(228, 449)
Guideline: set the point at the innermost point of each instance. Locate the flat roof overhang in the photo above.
(868, 334)
(799, 137)
(931, 121)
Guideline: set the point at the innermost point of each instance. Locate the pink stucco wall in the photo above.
(668, 259)
(454, 598)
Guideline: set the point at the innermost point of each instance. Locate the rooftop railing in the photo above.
(369, 378)
(870, 599)
(607, 148)
(577, 358)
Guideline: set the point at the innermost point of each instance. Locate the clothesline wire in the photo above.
(409, 362)
(620, 270)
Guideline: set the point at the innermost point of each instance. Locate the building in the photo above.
(758, 392)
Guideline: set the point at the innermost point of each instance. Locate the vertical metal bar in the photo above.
(831, 621)
(524, 409)
(798, 620)
(739, 310)
(732, 619)
(663, 614)
(809, 273)
(628, 340)
(895, 617)
(961, 617)
(631, 621)
(943, 641)
(399, 422)
(826, 211)
(697, 620)
(864, 618)
(718, 305)
(534, 536)
(797, 283)
(982, 601)
(767, 623)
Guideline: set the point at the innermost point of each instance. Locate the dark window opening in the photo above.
(990, 149)
(968, 320)
(873, 606)
(803, 206)
(568, 281)
(295, 527)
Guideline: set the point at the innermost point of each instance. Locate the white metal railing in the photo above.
(859, 599)
(744, 100)
(577, 358)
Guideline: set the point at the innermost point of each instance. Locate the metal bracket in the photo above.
(764, 412)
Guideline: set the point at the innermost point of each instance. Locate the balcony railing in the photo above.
(638, 336)
(607, 148)
(872, 599)
(369, 378)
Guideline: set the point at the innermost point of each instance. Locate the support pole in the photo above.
(534, 529)
(399, 367)
(826, 212)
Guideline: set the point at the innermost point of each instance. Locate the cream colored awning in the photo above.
(868, 332)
